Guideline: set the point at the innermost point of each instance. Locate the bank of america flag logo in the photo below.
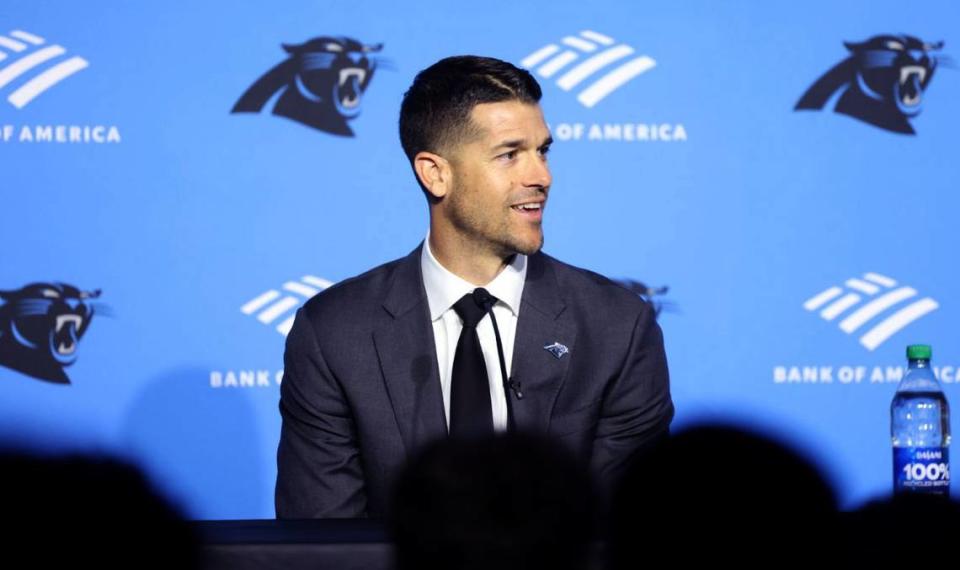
(278, 308)
(604, 65)
(29, 67)
(875, 307)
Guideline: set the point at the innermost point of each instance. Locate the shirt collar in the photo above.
(444, 288)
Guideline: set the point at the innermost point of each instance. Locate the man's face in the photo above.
(501, 179)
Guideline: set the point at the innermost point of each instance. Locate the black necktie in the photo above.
(470, 412)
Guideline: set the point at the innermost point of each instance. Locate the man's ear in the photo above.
(434, 173)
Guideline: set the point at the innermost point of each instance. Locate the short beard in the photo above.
(505, 245)
(529, 250)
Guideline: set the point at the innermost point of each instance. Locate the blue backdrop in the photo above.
(803, 249)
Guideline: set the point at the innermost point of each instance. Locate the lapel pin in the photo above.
(556, 349)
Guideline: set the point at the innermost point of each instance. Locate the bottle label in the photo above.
(921, 469)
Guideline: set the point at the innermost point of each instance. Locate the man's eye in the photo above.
(509, 155)
(544, 151)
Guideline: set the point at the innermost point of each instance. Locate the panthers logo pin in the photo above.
(882, 82)
(41, 326)
(321, 83)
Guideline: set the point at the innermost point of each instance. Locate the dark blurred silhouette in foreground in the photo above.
(719, 494)
(84, 511)
(506, 502)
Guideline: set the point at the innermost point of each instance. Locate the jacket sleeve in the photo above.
(637, 408)
(319, 472)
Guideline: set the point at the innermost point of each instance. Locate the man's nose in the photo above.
(539, 173)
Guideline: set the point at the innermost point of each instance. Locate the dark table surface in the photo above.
(335, 544)
(271, 531)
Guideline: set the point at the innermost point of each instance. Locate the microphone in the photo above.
(485, 301)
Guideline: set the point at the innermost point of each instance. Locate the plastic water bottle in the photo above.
(920, 426)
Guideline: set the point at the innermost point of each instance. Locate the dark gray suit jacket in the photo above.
(361, 386)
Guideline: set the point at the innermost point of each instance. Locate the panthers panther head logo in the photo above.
(41, 326)
(652, 295)
(322, 83)
(882, 82)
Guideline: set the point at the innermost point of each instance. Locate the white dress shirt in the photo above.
(444, 289)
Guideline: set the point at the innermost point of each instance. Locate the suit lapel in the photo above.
(541, 322)
(408, 357)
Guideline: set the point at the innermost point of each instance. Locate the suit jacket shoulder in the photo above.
(358, 301)
(595, 297)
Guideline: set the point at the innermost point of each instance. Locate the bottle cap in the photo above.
(919, 352)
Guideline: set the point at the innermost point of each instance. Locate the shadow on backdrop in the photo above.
(200, 444)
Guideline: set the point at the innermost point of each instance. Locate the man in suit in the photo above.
(476, 331)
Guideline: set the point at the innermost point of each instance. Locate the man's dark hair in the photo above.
(435, 113)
